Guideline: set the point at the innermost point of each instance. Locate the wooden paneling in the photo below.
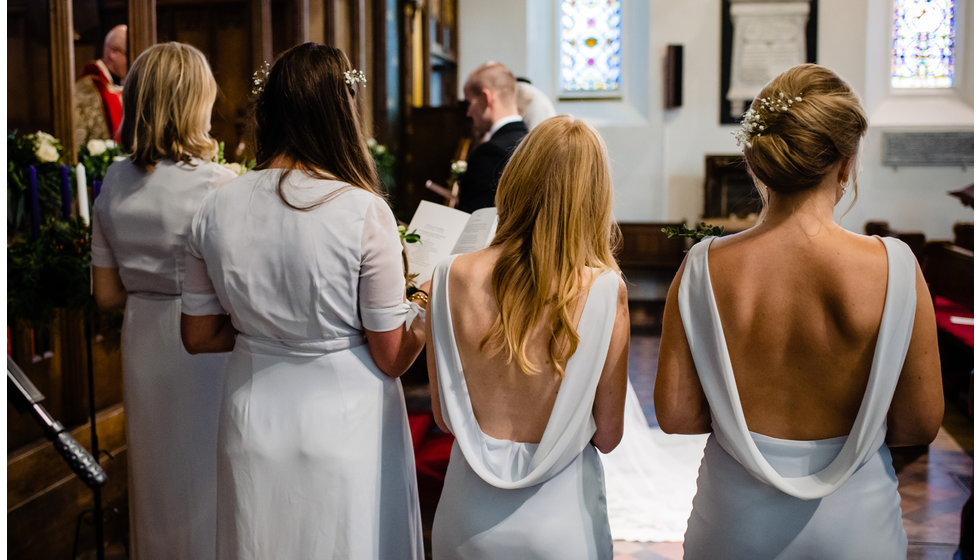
(45, 499)
(142, 26)
(645, 247)
(28, 67)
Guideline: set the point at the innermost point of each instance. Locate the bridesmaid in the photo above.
(297, 266)
(139, 231)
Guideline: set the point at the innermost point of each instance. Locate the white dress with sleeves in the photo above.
(764, 497)
(140, 225)
(505, 499)
(315, 456)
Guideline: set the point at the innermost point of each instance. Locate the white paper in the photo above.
(445, 231)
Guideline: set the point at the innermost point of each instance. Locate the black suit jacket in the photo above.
(478, 186)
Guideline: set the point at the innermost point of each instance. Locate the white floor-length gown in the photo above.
(764, 497)
(315, 455)
(651, 478)
(505, 499)
(140, 225)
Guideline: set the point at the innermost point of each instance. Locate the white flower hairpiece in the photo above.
(354, 76)
(755, 122)
(260, 77)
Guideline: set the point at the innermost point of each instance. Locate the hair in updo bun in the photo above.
(801, 124)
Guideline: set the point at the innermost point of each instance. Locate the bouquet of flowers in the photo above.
(97, 155)
(456, 169)
(238, 168)
(44, 152)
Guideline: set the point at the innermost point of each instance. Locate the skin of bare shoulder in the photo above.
(508, 403)
(801, 314)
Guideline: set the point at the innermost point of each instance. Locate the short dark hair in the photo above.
(308, 112)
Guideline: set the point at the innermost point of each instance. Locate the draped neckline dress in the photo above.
(507, 499)
(766, 497)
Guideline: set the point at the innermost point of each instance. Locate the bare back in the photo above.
(507, 403)
(801, 315)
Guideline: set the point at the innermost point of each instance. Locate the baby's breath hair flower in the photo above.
(260, 77)
(756, 121)
(355, 76)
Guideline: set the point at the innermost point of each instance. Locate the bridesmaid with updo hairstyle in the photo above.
(803, 349)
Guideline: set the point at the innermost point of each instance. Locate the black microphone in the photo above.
(26, 398)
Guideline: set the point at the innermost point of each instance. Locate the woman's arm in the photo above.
(108, 288)
(430, 362)
(917, 407)
(394, 351)
(610, 394)
(207, 334)
(678, 397)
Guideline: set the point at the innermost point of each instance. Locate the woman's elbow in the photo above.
(192, 344)
(107, 301)
(607, 440)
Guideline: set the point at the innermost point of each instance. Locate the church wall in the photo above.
(658, 155)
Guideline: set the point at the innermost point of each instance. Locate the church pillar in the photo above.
(261, 32)
(142, 26)
(63, 74)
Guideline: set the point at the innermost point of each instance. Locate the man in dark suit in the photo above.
(491, 92)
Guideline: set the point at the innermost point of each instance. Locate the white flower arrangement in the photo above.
(96, 147)
(46, 147)
(355, 76)
(755, 121)
(458, 167)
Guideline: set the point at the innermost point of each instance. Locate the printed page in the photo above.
(439, 227)
(478, 232)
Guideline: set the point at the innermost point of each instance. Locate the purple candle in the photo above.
(35, 202)
(96, 188)
(65, 193)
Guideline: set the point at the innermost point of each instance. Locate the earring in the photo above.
(843, 187)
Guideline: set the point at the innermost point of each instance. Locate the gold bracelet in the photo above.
(420, 298)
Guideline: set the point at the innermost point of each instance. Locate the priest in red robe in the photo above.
(98, 93)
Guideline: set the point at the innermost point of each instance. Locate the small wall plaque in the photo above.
(928, 149)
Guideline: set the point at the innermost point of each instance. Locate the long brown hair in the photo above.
(308, 112)
(554, 204)
(167, 101)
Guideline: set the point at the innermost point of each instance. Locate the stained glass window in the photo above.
(922, 43)
(591, 47)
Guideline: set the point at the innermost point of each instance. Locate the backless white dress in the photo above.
(505, 499)
(140, 225)
(763, 497)
(315, 456)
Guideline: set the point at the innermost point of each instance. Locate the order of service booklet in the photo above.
(445, 231)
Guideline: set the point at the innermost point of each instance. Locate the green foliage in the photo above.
(384, 161)
(49, 272)
(701, 231)
(22, 152)
(97, 156)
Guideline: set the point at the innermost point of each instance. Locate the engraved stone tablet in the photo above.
(768, 38)
(928, 149)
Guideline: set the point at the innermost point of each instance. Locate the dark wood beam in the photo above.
(63, 74)
(142, 26)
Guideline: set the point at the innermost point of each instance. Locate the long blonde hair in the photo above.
(167, 100)
(554, 204)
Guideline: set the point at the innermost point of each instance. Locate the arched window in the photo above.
(591, 48)
(923, 36)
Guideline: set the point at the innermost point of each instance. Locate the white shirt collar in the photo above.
(501, 122)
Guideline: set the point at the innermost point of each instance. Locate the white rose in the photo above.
(44, 137)
(235, 167)
(46, 152)
(95, 146)
(110, 144)
(459, 167)
(371, 143)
